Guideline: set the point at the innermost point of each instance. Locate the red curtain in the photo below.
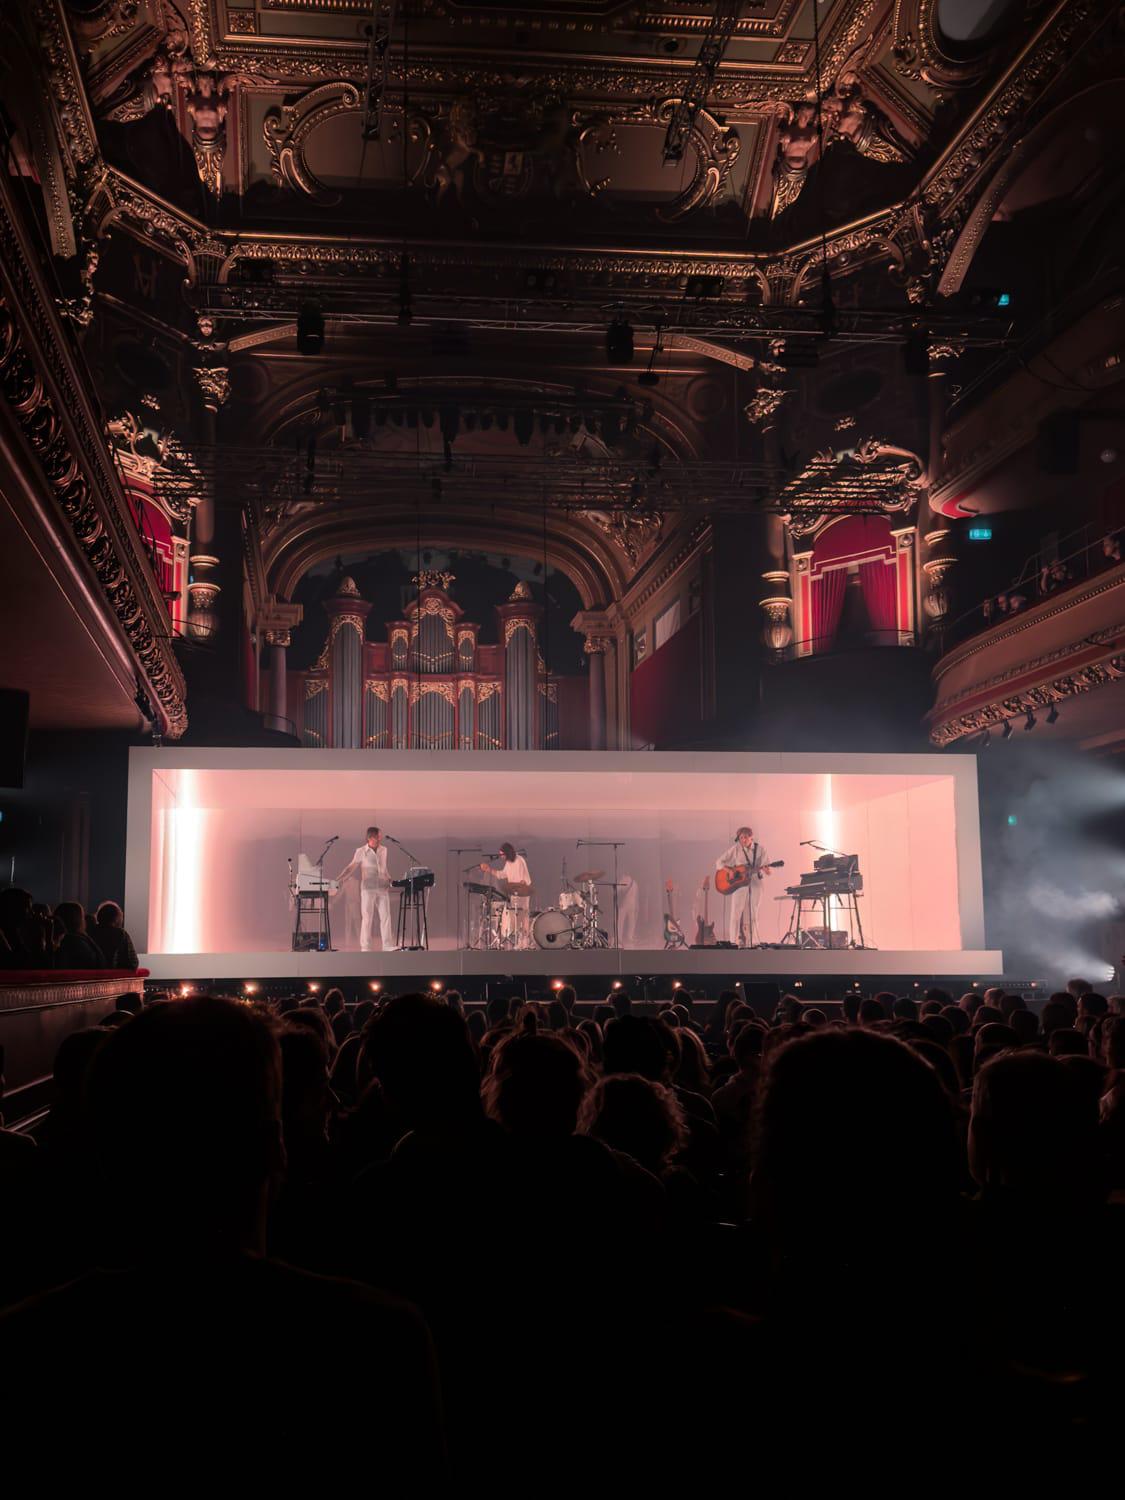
(827, 606)
(879, 583)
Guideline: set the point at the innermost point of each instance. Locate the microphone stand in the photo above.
(464, 849)
(325, 921)
(614, 845)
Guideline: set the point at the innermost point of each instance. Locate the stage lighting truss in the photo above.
(649, 481)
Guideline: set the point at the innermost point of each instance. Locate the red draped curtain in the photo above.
(827, 606)
(878, 581)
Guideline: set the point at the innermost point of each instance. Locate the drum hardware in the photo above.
(553, 929)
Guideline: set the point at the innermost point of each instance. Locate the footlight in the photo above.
(435, 985)
(250, 987)
(314, 986)
(374, 986)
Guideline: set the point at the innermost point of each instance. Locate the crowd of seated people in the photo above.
(32, 936)
(520, 1244)
(1053, 577)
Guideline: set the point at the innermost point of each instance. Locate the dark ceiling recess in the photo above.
(142, 367)
(850, 392)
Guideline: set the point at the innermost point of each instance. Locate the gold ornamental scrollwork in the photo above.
(518, 622)
(441, 689)
(379, 688)
(315, 685)
(355, 622)
(486, 690)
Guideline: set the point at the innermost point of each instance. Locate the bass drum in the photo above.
(552, 929)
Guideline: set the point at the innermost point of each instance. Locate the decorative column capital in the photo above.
(214, 385)
(278, 638)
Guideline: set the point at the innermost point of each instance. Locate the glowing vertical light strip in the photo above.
(185, 864)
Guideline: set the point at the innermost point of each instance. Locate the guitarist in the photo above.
(744, 903)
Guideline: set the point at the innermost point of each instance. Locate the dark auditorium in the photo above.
(562, 746)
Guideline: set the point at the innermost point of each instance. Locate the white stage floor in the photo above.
(448, 964)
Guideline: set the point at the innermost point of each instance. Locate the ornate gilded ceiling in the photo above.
(499, 137)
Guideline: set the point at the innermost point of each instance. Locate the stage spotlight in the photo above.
(310, 329)
(314, 986)
(251, 987)
(1031, 721)
(556, 984)
(619, 342)
(185, 989)
(616, 984)
(1008, 731)
(374, 986)
(677, 984)
(435, 985)
(1053, 715)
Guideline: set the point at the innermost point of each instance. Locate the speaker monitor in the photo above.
(14, 705)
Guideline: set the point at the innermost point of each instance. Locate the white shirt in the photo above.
(515, 871)
(372, 867)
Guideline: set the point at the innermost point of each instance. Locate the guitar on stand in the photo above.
(673, 932)
(704, 927)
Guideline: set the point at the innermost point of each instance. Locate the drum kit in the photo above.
(501, 921)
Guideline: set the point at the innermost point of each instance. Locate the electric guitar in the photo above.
(673, 932)
(705, 930)
(731, 878)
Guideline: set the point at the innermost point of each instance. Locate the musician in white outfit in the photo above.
(743, 903)
(514, 879)
(369, 862)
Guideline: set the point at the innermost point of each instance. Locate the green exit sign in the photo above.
(980, 533)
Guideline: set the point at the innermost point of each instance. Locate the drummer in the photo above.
(514, 879)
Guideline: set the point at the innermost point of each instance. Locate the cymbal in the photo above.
(589, 875)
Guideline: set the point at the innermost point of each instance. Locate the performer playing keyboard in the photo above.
(370, 862)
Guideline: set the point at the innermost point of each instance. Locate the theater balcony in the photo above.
(1057, 664)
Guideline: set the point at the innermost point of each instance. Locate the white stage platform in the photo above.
(448, 965)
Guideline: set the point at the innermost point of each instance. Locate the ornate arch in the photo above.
(572, 546)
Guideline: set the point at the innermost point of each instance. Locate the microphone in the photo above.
(391, 837)
(334, 838)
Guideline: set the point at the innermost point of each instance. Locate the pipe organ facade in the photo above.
(432, 684)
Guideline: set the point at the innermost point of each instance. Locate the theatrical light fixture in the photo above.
(1031, 721)
(1053, 714)
(185, 989)
(677, 985)
(314, 986)
(435, 985)
(556, 984)
(1008, 730)
(251, 987)
(619, 342)
(310, 329)
(617, 984)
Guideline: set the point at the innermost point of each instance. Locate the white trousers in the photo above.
(372, 902)
(744, 913)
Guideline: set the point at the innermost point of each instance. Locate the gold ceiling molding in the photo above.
(874, 477)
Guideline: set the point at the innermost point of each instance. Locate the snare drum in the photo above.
(552, 929)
